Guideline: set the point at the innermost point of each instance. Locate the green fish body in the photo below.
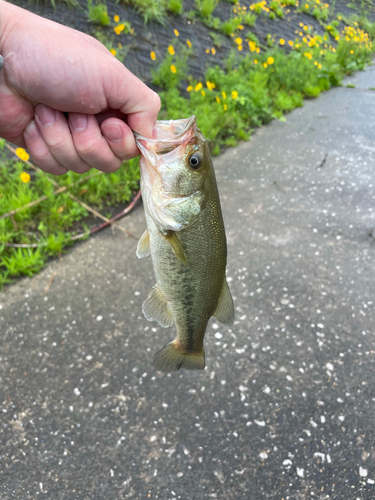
(185, 237)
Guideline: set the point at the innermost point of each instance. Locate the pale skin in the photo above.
(50, 70)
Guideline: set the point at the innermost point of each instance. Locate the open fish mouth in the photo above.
(168, 135)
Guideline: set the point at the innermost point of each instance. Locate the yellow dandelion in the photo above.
(207, 51)
(173, 68)
(240, 27)
(352, 51)
(270, 60)
(319, 66)
(225, 107)
(213, 50)
(224, 95)
(190, 88)
(291, 43)
(116, 18)
(210, 85)
(333, 49)
(305, 28)
(240, 47)
(171, 50)
(25, 177)
(153, 55)
(188, 43)
(306, 6)
(308, 55)
(117, 30)
(315, 63)
(218, 99)
(304, 39)
(257, 50)
(282, 41)
(234, 94)
(22, 154)
(113, 52)
(255, 61)
(176, 32)
(198, 86)
(265, 65)
(238, 41)
(301, 24)
(203, 93)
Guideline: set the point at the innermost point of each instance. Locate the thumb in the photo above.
(128, 94)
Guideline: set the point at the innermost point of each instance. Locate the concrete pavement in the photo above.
(285, 408)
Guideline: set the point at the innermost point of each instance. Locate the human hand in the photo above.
(50, 69)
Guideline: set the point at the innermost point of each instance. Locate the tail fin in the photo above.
(172, 357)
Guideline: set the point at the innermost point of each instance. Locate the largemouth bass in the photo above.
(185, 236)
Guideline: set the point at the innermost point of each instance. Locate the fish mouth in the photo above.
(168, 135)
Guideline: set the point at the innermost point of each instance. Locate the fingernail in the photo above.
(45, 115)
(78, 122)
(113, 133)
(31, 130)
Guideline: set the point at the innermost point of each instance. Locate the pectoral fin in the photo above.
(225, 309)
(143, 247)
(155, 308)
(176, 245)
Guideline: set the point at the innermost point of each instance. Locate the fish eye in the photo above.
(195, 160)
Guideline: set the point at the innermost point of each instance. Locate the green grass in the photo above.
(150, 10)
(98, 13)
(51, 223)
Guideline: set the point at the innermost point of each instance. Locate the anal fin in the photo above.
(225, 308)
(143, 247)
(173, 357)
(155, 308)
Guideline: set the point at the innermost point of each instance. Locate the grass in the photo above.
(98, 13)
(258, 83)
(51, 223)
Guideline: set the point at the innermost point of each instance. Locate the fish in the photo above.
(185, 237)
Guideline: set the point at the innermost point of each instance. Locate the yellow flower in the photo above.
(308, 55)
(238, 41)
(153, 55)
(270, 60)
(306, 6)
(190, 88)
(291, 43)
(22, 154)
(315, 63)
(305, 28)
(252, 46)
(203, 93)
(198, 86)
(282, 41)
(173, 68)
(265, 65)
(218, 99)
(116, 18)
(213, 50)
(319, 66)
(352, 51)
(301, 24)
(113, 52)
(188, 43)
(207, 51)
(333, 49)
(255, 61)
(171, 50)
(240, 27)
(239, 47)
(224, 95)
(257, 50)
(25, 177)
(176, 32)
(225, 107)
(119, 28)
(304, 39)
(210, 85)
(60, 209)
(119, 45)
(234, 94)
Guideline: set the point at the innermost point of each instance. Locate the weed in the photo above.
(97, 13)
(174, 6)
(350, 86)
(150, 10)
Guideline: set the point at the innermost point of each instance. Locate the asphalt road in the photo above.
(285, 408)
